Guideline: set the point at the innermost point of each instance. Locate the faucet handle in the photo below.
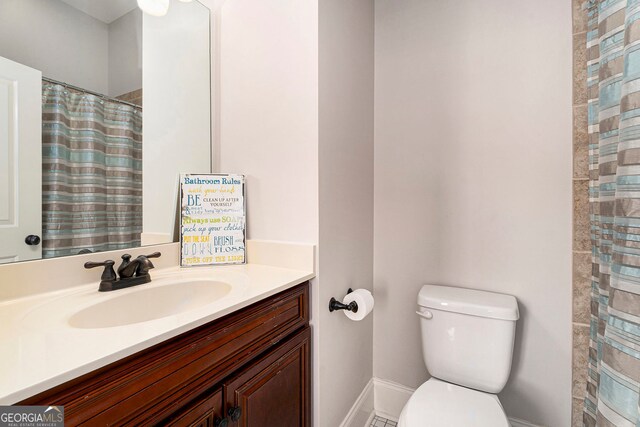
(108, 273)
(153, 255)
(144, 264)
(93, 264)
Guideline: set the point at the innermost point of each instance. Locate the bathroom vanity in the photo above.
(251, 367)
(210, 346)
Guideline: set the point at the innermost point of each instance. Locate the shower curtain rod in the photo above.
(90, 92)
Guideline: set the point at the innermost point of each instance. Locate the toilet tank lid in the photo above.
(469, 301)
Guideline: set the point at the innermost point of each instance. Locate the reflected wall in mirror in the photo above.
(101, 108)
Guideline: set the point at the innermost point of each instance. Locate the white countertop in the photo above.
(40, 350)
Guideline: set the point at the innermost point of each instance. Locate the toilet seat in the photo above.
(440, 404)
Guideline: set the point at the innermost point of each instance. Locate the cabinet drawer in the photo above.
(148, 386)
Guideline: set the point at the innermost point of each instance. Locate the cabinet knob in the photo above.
(32, 240)
(234, 413)
(221, 422)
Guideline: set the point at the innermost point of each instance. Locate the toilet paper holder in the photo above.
(334, 304)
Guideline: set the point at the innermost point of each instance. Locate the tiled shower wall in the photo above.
(581, 242)
(134, 97)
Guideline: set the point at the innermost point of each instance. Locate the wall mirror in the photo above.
(102, 107)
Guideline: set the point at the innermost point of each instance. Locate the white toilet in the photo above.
(467, 343)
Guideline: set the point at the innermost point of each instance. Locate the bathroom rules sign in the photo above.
(212, 219)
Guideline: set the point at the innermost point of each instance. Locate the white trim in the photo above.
(362, 407)
(390, 398)
(370, 419)
(515, 422)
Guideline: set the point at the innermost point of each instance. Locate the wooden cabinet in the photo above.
(204, 412)
(252, 365)
(274, 390)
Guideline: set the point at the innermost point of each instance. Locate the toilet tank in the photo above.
(468, 335)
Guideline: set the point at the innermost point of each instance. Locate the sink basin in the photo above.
(149, 303)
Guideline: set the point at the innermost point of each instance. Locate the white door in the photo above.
(20, 161)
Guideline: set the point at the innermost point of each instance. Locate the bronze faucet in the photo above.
(131, 273)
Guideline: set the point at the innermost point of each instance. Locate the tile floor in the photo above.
(382, 422)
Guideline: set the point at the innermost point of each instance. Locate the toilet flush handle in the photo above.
(426, 314)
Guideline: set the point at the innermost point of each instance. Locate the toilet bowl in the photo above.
(440, 404)
(467, 342)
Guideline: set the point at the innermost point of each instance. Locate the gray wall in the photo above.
(269, 112)
(296, 116)
(268, 109)
(125, 53)
(176, 110)
(57, 39)
(346, 199)
(473, 181)
(73, 47)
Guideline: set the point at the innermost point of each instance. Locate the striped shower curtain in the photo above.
(613, 80)
(91, 173)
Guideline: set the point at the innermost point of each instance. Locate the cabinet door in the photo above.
(274, 391)
(203, 412)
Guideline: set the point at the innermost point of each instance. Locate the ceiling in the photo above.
(106, 11)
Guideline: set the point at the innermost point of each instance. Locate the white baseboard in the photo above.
(362, 411)
(370, 419)
(390, 398)
(386, 399)
(515, 422)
